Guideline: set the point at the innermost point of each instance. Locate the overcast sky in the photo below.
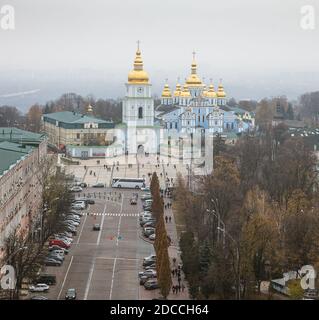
(88, 46)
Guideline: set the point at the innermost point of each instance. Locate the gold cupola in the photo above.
(89, 109)
(211, 92)
(185, 92)
(166, 91)
(193, 79)
(138, 75)
(178, 90)
(221, 93)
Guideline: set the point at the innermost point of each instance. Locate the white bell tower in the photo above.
(138, 104)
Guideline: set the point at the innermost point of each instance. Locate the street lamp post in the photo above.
(216, 211)
(219, 223)
(237, 258)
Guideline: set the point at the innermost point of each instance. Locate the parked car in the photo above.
(77, 213)
(72, 222)
(63, 236)
(70, 294)
(148, 215)
(60, 252)
(39, 287)
(143, 279)
(146, 220)
(145, 196)
(52, 262)
(146, 189)
(52, 248)
(48, 279)
(151, 224)
(149, 263)
(96, 227)
(147, 207)
(76, 189)
(98, 185)
(73, 217)
(64, 239)
(150, 257)
(151, 284)
(72, 229)
(148, 231)
(59, 243)
(151, 266)
(56, 257)
(149, 273)
(152, 236)
(78, 205)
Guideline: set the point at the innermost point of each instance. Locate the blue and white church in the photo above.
(193, 111)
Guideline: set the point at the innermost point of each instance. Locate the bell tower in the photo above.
(138, 104)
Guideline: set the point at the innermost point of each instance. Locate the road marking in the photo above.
(124, 259)
(111, 290)
(81, 230)
(66, 274)
(117, 243)
(88, 284)
(101, 227)
(111, 214)
(100, 232)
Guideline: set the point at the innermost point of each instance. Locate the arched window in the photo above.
(140, 112)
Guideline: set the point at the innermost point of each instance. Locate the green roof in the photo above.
(73, 117)
(11, 153)
(16, 135)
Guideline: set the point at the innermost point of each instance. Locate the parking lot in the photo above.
(104, 264)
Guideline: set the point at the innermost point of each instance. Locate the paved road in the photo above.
(104, 264)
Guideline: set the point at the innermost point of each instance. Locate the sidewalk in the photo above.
(174, 252)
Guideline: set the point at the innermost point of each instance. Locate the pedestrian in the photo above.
(166, 219)
(179, 287)
(170, 219)
(183, 287)
(174, 261)
(173, 289)
(173, 272)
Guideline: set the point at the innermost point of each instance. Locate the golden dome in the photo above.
(185, 93)
(193, 79)
(89, 108)
(138, 75)
(166, 92)
(211, 92)
(178, 90)
(221, 93)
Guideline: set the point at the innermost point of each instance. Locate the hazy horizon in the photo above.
(88, 47)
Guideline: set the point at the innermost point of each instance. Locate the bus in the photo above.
(129, 183)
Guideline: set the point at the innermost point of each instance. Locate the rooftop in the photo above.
(73, 117)
(11, 153)
(16, 135)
